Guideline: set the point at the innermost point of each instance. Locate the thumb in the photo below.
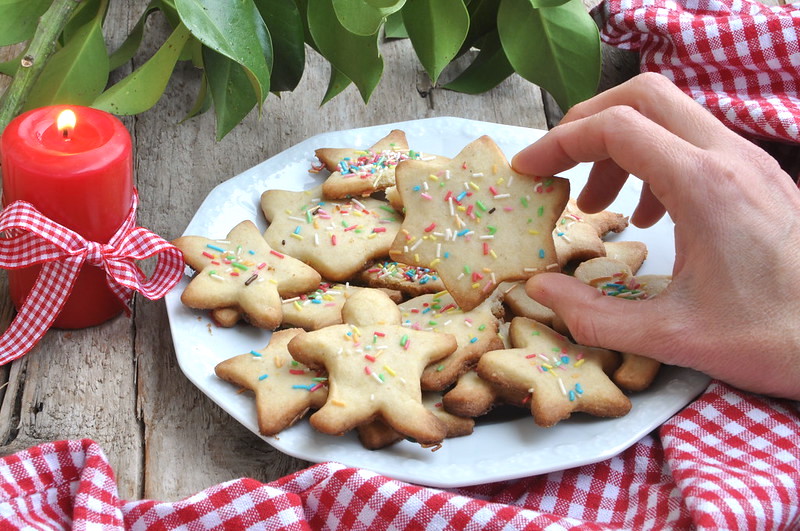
(594, 319)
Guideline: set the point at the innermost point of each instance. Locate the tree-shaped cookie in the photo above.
(475, 332)
(614, 278)
(244, 273)
(361, 172)
(374, 366)
(561, 377)
(476, 221)
(284, 389)
(336, 237)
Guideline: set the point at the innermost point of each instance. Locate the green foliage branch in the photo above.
(248, 49)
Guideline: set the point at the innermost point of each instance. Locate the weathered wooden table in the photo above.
(119, 383)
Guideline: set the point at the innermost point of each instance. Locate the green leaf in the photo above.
(142, 88)
(235, 29)
(386, 4)
(362, 17)
(437, 28)
(557, 48)
(86, 11)
(548, 3)
(76, 73)
(202, 103)
(336, 84)
(9, 68)
(18, 19)
(482, 20)
(285, 25)
(487, 70)
(231, 91)
(302, 7)
(356, 56)
(128, 49)
(394, 27)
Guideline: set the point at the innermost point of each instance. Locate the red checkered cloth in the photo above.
(730, 460)
(740, 59)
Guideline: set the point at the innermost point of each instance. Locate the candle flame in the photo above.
(66, 121)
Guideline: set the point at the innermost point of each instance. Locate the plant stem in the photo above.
(42, 46)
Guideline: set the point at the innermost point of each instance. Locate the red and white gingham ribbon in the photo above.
(31, 238)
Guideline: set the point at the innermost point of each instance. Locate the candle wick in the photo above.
(65, 133)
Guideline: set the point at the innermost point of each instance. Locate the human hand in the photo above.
(733, 307)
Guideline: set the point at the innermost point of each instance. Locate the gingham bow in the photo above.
(30, 238)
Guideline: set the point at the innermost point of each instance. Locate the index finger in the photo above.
(636, 144)
(655, 97)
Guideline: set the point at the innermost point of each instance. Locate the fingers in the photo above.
(637, 145)
(595, 319)
(649, 210)
(656, 98)
(605, 181)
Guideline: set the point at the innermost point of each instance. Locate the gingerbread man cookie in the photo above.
(374, 367)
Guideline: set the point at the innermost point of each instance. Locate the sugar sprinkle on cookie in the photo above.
(476, 221)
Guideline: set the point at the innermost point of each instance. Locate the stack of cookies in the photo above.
(395, 289)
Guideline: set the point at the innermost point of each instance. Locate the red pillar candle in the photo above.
(80, 176)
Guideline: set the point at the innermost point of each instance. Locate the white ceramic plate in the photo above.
(497, 450)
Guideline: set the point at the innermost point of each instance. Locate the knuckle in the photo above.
(651, 84)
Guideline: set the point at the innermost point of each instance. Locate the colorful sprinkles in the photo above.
(478, 204)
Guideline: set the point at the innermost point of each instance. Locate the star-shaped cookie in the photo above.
(473, 396)
(616, 279)
(475, 332)
(579, 236)
(476, 221)
(374, 366)
(361, 172)
(629, 252)
(410, 280)
(243, 272)
(336, 237)
(561, 376)
(284, 389)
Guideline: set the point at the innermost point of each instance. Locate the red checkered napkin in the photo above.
(730, 460)
(740, 59)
